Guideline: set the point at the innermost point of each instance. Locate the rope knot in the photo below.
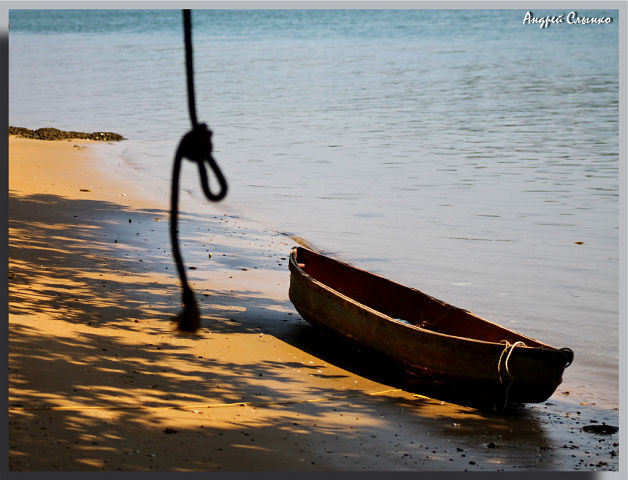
(196, 145)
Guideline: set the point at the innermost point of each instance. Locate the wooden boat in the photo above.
(431, 338)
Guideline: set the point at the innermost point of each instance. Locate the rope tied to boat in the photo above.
(196, 145)
(508, 349)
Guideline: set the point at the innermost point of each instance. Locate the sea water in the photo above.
(466, 153)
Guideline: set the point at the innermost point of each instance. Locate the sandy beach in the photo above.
(99, 380)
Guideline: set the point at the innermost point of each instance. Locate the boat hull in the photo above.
(493, 371)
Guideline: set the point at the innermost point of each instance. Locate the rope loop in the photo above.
(508, 349)
(196, 145)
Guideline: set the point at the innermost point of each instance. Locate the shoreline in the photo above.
(100, 380)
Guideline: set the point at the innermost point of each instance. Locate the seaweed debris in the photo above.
(56, 134)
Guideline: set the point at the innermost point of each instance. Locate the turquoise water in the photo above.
(457, 151)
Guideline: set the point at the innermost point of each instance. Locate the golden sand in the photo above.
(100, 381)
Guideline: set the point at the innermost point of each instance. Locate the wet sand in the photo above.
(100, 381)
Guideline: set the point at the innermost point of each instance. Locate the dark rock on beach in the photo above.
(56, 134)
(601, 429)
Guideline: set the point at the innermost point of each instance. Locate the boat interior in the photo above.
(403, 303)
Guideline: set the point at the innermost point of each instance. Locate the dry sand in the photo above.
(99, 380)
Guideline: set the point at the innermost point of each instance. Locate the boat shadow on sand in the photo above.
(376, 366)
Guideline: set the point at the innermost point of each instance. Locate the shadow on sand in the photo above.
(94, 271)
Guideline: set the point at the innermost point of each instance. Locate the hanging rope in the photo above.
(196, 146)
